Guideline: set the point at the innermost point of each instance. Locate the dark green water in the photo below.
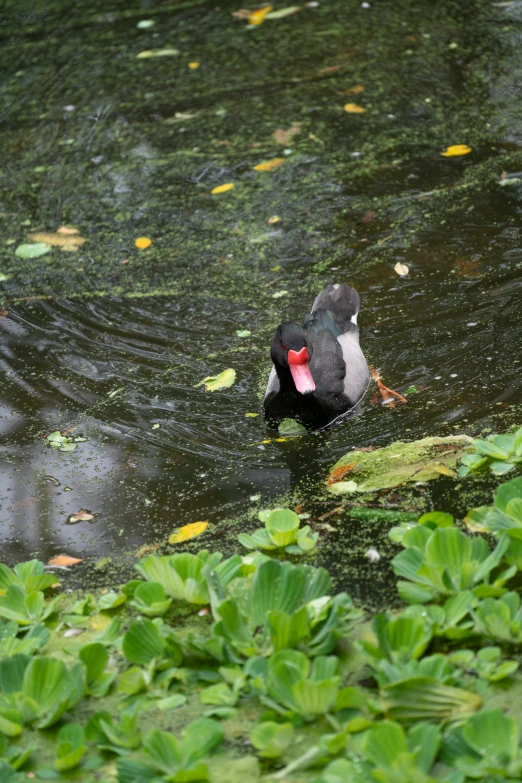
(92, 136)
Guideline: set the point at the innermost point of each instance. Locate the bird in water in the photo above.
(319, 371)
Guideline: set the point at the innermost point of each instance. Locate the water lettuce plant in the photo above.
(184, 576)
(287, 606)
(276, 655)
(37, 691)
(500, 453)
(504, 516)
(165, 757)
(486, 747)
(282, 531)
(304, 688)
(445, 561)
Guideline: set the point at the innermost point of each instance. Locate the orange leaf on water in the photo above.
(187, 532)
(355, 90)
(193, 65)
(143, 243)
(257, 16)
(269, 165)
(339, 473)
(64, 560)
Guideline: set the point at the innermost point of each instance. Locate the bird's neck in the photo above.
(286, 382)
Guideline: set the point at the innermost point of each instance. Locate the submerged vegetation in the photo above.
(211, 650)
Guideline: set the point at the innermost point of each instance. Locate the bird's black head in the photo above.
(290, 350)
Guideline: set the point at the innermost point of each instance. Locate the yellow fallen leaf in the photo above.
(455, 150)
(268, 165)
(251, 415)
(222, 188)
(58, 238)
(401, 269)
(355, 90)
(193, 65)
(353, 108)
(143, 242)
(64, 560)
(257, 16)
(187, 532)
(273, 219)
(67, 230)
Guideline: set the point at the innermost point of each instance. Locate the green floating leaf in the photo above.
(34, 250)
(291, 427)
(243, 332)
(224, 380)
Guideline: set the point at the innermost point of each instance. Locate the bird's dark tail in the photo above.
(342, 301)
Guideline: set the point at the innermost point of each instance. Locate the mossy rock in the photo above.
(420, 460)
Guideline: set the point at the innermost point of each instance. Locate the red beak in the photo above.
(298, 361)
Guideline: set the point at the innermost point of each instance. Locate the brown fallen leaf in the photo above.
(243, 13)
(368, 217)
(3, 313)
(329, 69)
(65, 241)
(339, 473)
(81, 516)
(67, 230)
(64, 560)
(284, 136)
(465, 267)
(147, 549)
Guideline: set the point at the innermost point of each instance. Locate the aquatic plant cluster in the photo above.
(211, 649)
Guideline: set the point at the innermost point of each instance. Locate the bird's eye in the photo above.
(283, 347)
